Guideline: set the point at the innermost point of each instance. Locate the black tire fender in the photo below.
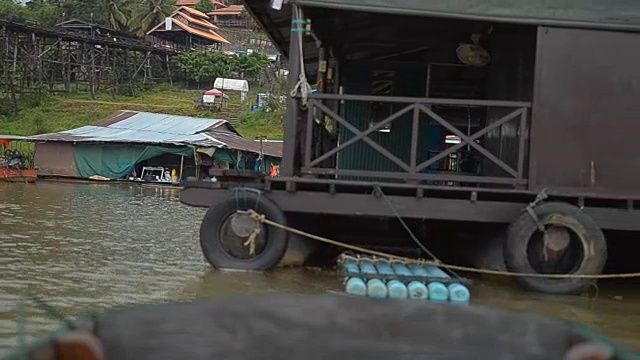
(277, 238)
(592, 239)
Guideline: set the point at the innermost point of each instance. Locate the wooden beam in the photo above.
(368, 205)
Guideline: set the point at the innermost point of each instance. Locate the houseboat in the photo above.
(543, 99)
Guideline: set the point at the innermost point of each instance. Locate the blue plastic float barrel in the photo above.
(434, 272)
(418, 270)
(367, 267)
(356, 286)
(397, 290)
(384, 268)
(401, 269)
(417, 291)
(350, 266)
(376, 289)
(438, 292)
(459, 293)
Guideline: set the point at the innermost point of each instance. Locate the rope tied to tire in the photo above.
(251, 241)
(542, 196)
(529, 209)
(262, 219)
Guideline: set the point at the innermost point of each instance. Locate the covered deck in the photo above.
(393, 84)
(392, 89)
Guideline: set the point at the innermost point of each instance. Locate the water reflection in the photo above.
(89, 247)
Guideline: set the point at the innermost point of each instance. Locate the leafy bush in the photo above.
(202, 66)
(206, 6)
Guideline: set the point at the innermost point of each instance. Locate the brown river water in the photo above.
(89, 247)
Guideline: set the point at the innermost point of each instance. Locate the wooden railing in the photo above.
(232, 22)
(413, 171)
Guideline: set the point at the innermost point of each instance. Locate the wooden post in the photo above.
(323, 65)
(92, 76)
(67, 56)
(127, 66)
(290, 148)
(169, 70)
(12, 88)
(181, 167)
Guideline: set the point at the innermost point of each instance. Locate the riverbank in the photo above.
(57, 113)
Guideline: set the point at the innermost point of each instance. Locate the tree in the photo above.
(11, 10)
(86, 10)
(207, 66)
(206, 6)
(115, 13)
(148, 14)
(251, 65)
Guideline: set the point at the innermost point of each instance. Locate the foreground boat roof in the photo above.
(323, 327)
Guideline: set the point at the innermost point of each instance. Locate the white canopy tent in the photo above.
(233, 84)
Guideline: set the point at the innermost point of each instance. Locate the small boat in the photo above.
(14, 166)
(18, 175)
(318, 327)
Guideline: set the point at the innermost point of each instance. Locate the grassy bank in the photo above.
(52, 114)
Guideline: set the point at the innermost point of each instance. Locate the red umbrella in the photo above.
(214, 92)
(217, 93)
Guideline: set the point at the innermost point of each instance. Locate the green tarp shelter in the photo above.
(116, 161)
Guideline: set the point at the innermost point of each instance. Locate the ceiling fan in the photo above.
(473, 54)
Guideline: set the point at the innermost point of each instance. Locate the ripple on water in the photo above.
(84, 248)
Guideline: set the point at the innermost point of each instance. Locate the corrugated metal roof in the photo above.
(143, 127)
(237, 142)
(164, 123)
(115, 117)
(14, 137)
(123, 135)
(150, 128)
